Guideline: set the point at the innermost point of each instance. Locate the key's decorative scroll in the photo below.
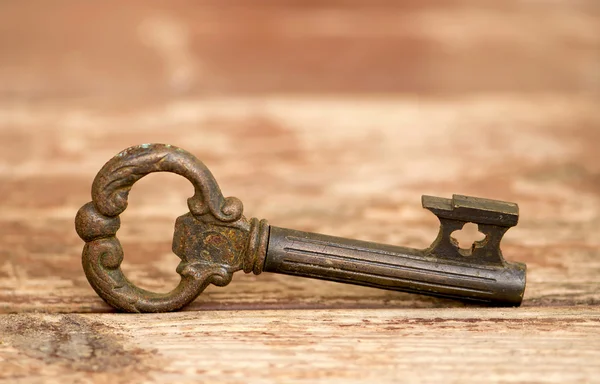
(214, 240)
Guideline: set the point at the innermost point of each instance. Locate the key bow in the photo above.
(215, 225)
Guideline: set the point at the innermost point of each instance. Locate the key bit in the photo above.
(214, 240)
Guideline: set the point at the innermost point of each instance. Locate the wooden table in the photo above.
(329, 117)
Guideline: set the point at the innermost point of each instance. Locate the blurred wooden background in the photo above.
(327, 116)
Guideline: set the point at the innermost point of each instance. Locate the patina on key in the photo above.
(214, 240)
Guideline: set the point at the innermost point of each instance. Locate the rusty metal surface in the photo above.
(214, 240)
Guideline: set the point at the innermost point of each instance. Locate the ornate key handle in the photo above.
(227, 241)
(214, 240)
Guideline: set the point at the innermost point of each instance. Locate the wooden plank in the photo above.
(353, 346)
(89, 49)
(341, 181)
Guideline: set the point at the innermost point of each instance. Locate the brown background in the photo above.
(327, 116)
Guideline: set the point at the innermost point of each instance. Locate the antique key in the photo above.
(214, 240)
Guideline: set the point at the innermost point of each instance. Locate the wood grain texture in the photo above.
(331, 117)
(351, 346)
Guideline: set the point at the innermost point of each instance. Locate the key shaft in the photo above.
(390, 267)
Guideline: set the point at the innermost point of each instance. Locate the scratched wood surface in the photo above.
(333, 117)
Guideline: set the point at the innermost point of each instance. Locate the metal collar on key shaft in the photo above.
(214, 240)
